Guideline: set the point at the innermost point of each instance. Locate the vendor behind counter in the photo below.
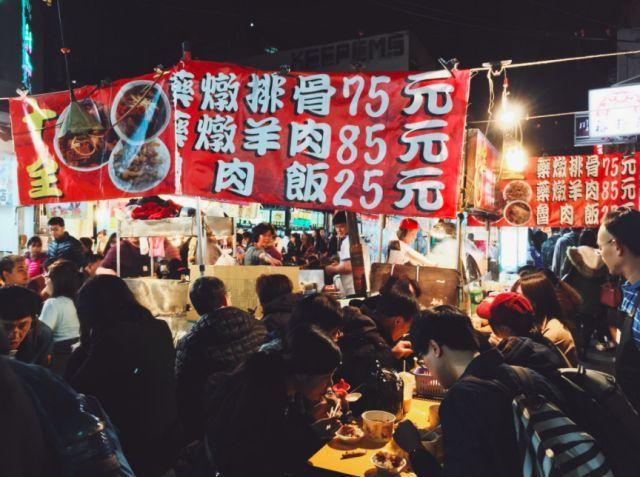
(133, 259)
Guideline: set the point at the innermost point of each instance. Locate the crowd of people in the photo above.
(243, 396)
(572, 261)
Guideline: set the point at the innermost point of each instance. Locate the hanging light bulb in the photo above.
(510, 115)
(515, 157)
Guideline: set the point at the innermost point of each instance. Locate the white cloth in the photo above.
(408, 254)
(60, 315)
(345, 256)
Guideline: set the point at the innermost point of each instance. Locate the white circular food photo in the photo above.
(139, 167)
(85, 152)
(140, 111)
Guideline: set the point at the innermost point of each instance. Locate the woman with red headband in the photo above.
(401, 251)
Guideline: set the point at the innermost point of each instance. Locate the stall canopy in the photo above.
(367, 142)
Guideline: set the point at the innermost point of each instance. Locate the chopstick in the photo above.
(334, 410)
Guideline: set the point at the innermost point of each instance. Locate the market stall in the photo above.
(206, 130)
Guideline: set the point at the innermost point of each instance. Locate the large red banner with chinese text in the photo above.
(570, 191)
(368, 142)
(133, 155)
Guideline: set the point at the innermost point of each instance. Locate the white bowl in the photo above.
(350, 439)
(163, 168)
(386, 470)
(120, 94)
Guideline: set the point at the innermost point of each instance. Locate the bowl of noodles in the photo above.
(88, 151)
(140, 112)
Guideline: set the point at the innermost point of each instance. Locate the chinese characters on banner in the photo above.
(571, 191)
(369, 142)
(132, 156)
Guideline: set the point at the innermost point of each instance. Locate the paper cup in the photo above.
(378, 425)
(434, 415)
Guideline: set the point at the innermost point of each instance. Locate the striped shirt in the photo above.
(630, 297)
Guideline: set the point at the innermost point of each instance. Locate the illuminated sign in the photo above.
(27, 44)
(614, 111)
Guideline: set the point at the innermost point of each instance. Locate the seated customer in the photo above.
(369, 340)
(549, 318)
(277, 300)
(319, 310)
(13, 270)
(477, 418)
(511, 319)
(222, 339)
(59, 311)
(253, 428)
(126, 359)
(30, 340)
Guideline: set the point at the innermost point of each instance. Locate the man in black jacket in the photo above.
(370, 341)
(63, 245)
(476, 418)
(223, 338)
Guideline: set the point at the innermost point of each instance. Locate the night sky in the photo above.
(116, 38)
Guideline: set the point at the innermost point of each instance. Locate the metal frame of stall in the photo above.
(185, 226)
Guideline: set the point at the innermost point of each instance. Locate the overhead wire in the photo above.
(417, 11)
(572, 14)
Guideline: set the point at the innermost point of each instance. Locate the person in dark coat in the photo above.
(586, 275)
(477, 419)
(277, 300)
(548, 247)
(126, 359)
(222, 339)
(511, 318)
(63, 245)
(23, 451)
(30, 340)
(255, 426)
(370, 341)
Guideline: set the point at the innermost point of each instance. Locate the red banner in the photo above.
(132, 156)
(369, 142)
(570, 191)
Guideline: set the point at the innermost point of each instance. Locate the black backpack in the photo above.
(550, 443)
(598, 405)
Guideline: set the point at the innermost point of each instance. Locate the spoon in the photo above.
(353, 397)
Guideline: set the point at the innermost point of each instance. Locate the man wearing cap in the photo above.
(401, 251)
(343, 268)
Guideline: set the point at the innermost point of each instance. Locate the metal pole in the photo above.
(459, 264)
(488, 255)
(200, 250)
(382, 221)
(118, 248)
(357, 260)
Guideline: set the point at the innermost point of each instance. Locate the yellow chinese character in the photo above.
(38, 117)
(44, 180)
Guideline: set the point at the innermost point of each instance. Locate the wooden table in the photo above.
(330, 456)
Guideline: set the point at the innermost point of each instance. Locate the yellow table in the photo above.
(330, 456)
